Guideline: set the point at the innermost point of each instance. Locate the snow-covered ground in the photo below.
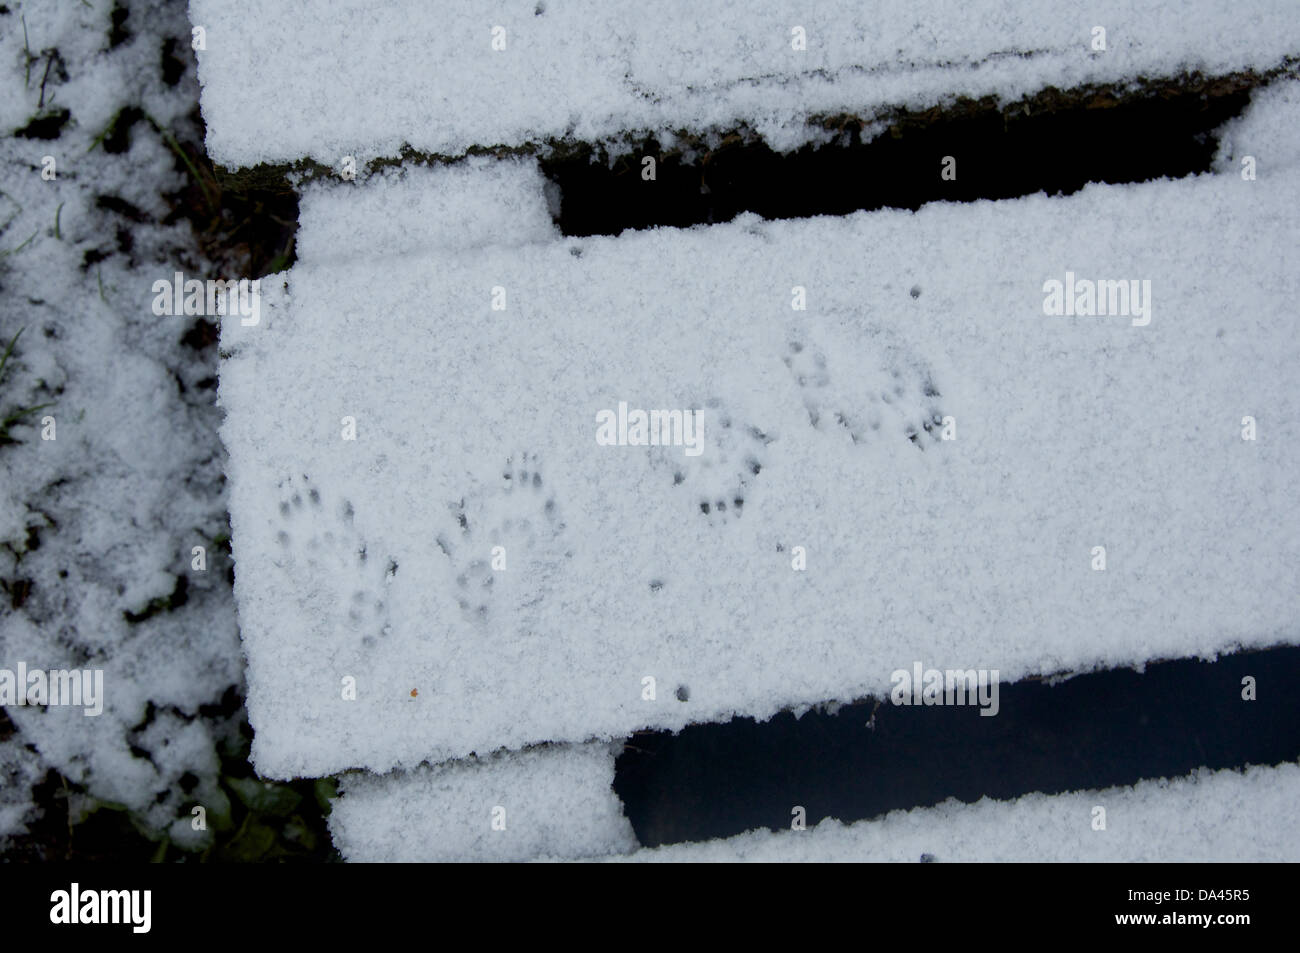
(100, 521)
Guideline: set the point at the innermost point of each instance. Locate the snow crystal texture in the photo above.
(98, 524)
(325, 79)
(377, 561)
(553, 802)
(409, 210)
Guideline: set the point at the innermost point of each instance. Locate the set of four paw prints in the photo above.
(521, 511)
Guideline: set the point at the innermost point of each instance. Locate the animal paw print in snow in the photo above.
(474, 574)
(325, 543)
(887, 397)
(719, 480)
(519, 515)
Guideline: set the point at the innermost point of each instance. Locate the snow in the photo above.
(1211, 816)
(553, 802)
(1042, 482)
(20, 769)
(406, 210)
(324, 79)
(371, 559)
(133, 478)
(1269, 130)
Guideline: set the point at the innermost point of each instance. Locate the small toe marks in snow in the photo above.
(719, 480)
(322, 547)
(884, 399)
(517, 520)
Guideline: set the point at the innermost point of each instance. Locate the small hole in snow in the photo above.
(916, 291)
(683, 693)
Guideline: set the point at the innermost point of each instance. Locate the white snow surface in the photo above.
(1209, 816)
(371, 559)
(553, 802)
(329, 78)
(407, 210)
(1268, 131)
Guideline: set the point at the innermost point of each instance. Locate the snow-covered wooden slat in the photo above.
(1219, 817)
(553, 802)
(373, 559)
(325, 78)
